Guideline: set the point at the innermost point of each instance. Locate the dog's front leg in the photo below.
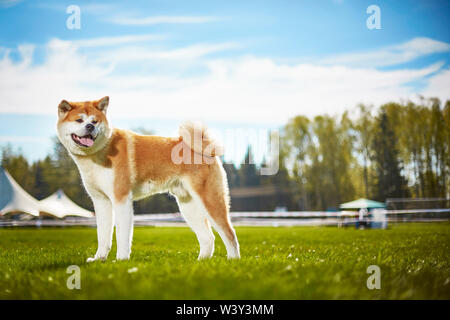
(105, 225)
(124, 227)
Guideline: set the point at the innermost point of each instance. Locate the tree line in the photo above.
(402, 150)
(399, 150)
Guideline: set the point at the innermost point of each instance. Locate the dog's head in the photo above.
(82, 126)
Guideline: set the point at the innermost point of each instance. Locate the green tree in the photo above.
(296, 140)
(390, 182)
(248, 172)
(365, 132)
(18, 167)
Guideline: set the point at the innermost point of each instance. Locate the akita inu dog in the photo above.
(119, 166)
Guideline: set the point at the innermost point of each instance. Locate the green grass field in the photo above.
(277, 263)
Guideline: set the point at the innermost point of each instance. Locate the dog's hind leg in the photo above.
(219, 217)
(194, 214)
(212, 192)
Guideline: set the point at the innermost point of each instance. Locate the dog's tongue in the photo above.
(86, 141)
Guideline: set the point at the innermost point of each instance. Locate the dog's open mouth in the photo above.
(85, 141)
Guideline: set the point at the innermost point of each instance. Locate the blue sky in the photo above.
(232, 64)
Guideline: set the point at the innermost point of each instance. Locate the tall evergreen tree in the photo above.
(232, 174)
(390, 182)
(248, 173)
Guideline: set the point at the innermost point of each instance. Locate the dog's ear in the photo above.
(63, 108)
(102, 104)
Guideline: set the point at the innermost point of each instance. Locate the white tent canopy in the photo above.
(59, 205)
(13, 198)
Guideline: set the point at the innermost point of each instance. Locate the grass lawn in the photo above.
(277, 263)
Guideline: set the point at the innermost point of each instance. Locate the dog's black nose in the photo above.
(90, 127)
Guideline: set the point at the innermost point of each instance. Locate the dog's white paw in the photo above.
(97, 258)
(122, 257)
(91, 259)
(204, 256)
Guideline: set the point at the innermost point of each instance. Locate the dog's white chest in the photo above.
(96, 178)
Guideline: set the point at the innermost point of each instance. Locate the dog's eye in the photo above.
(94, 122)
(79, 120)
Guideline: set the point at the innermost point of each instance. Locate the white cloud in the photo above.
(134, 48)
(245, 90)
(391, 55)
(90, 8)
(146, 21)
(439, 86)
(9, 3)
(127, 18)
(127, 54)
(109, 41)
(15, 139)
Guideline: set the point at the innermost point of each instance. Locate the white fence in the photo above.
(289, 218)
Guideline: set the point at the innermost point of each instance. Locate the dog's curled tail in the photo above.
(199, 139)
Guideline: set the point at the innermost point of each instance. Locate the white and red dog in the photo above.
(119, 166)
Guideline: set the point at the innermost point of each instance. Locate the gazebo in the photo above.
(362, 204)
(370, 213)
